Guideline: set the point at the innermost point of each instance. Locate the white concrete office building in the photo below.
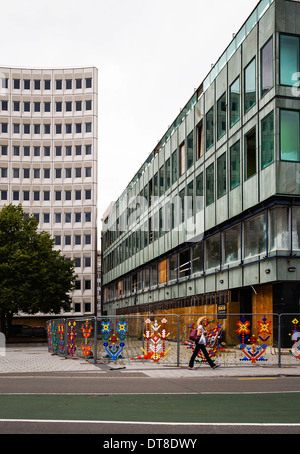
(48, 161)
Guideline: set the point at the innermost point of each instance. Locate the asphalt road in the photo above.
(91, 384)
(80, 404)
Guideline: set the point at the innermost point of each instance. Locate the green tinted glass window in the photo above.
(235, 160)
(267, 67)
(182, 205)
(197, 258)
(212, 252)
(221, 175)
(155, 185)
(232, 244)
(168, 173)
(199, 192)
(199, 184)
(250, 85)
(162, 180)
(289, 59)
(289, 135)
(255, 236)
(190, 150)
(235, 102)
(182, 159)
(250, 154)
(173, 267)
(279, 229)
(174, 167)
(190, 199)
(221, 116)
(210, 185)
(210, 128)
(267, 140)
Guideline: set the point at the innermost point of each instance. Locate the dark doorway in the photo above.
(246, 300)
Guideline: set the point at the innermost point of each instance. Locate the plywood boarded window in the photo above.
(163, 273)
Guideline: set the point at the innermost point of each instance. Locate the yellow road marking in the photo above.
(258, 378)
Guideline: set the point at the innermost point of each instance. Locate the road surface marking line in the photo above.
(217, 393)
(150, 423)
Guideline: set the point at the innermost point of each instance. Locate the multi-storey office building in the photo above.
(48, 161)
(213, 216)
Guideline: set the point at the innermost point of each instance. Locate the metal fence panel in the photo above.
(80, 338)
(131, 338)
(237, 339)
(232, 339)
(55, 336)
(290, 339)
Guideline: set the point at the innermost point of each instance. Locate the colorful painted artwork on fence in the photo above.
(253, 352)
(114, 343)
(156, 336)
(52, 337)
(295, 337)
(213, 337)
(61, 337)
(87, 345)
(71, 337)
(49, 336)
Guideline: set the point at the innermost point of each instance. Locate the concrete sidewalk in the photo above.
(35, 360)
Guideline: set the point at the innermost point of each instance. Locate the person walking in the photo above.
(200, 345)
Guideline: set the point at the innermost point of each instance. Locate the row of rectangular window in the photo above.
(87, 262)
(87, 285)
(87, 307)
(289, 76)
(183, 158)
(37, 128)
(37, 172)
(58, 195)
(36, 84)
(168, 173)
(58, 218)
(290, 65)
(47, 106)
(77, 240)
(217, 188)
(273, 232)
(186, 149)
(267, 82)
(46, 150)
(289, 151)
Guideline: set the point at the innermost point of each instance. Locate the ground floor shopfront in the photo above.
(227, 307)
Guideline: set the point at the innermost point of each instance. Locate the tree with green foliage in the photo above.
(34, 277)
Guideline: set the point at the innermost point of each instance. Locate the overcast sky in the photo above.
(151, 55)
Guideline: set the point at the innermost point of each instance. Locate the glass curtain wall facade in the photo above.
(228, 219)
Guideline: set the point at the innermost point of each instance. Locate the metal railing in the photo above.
(237, 340)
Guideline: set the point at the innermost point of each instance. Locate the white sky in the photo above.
(151, 55)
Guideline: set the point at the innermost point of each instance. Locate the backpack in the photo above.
(193, 335)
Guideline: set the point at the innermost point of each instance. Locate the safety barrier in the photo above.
(234, 339)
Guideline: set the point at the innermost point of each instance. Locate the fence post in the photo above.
(279, 341)
(178, 339)
(95, 340)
